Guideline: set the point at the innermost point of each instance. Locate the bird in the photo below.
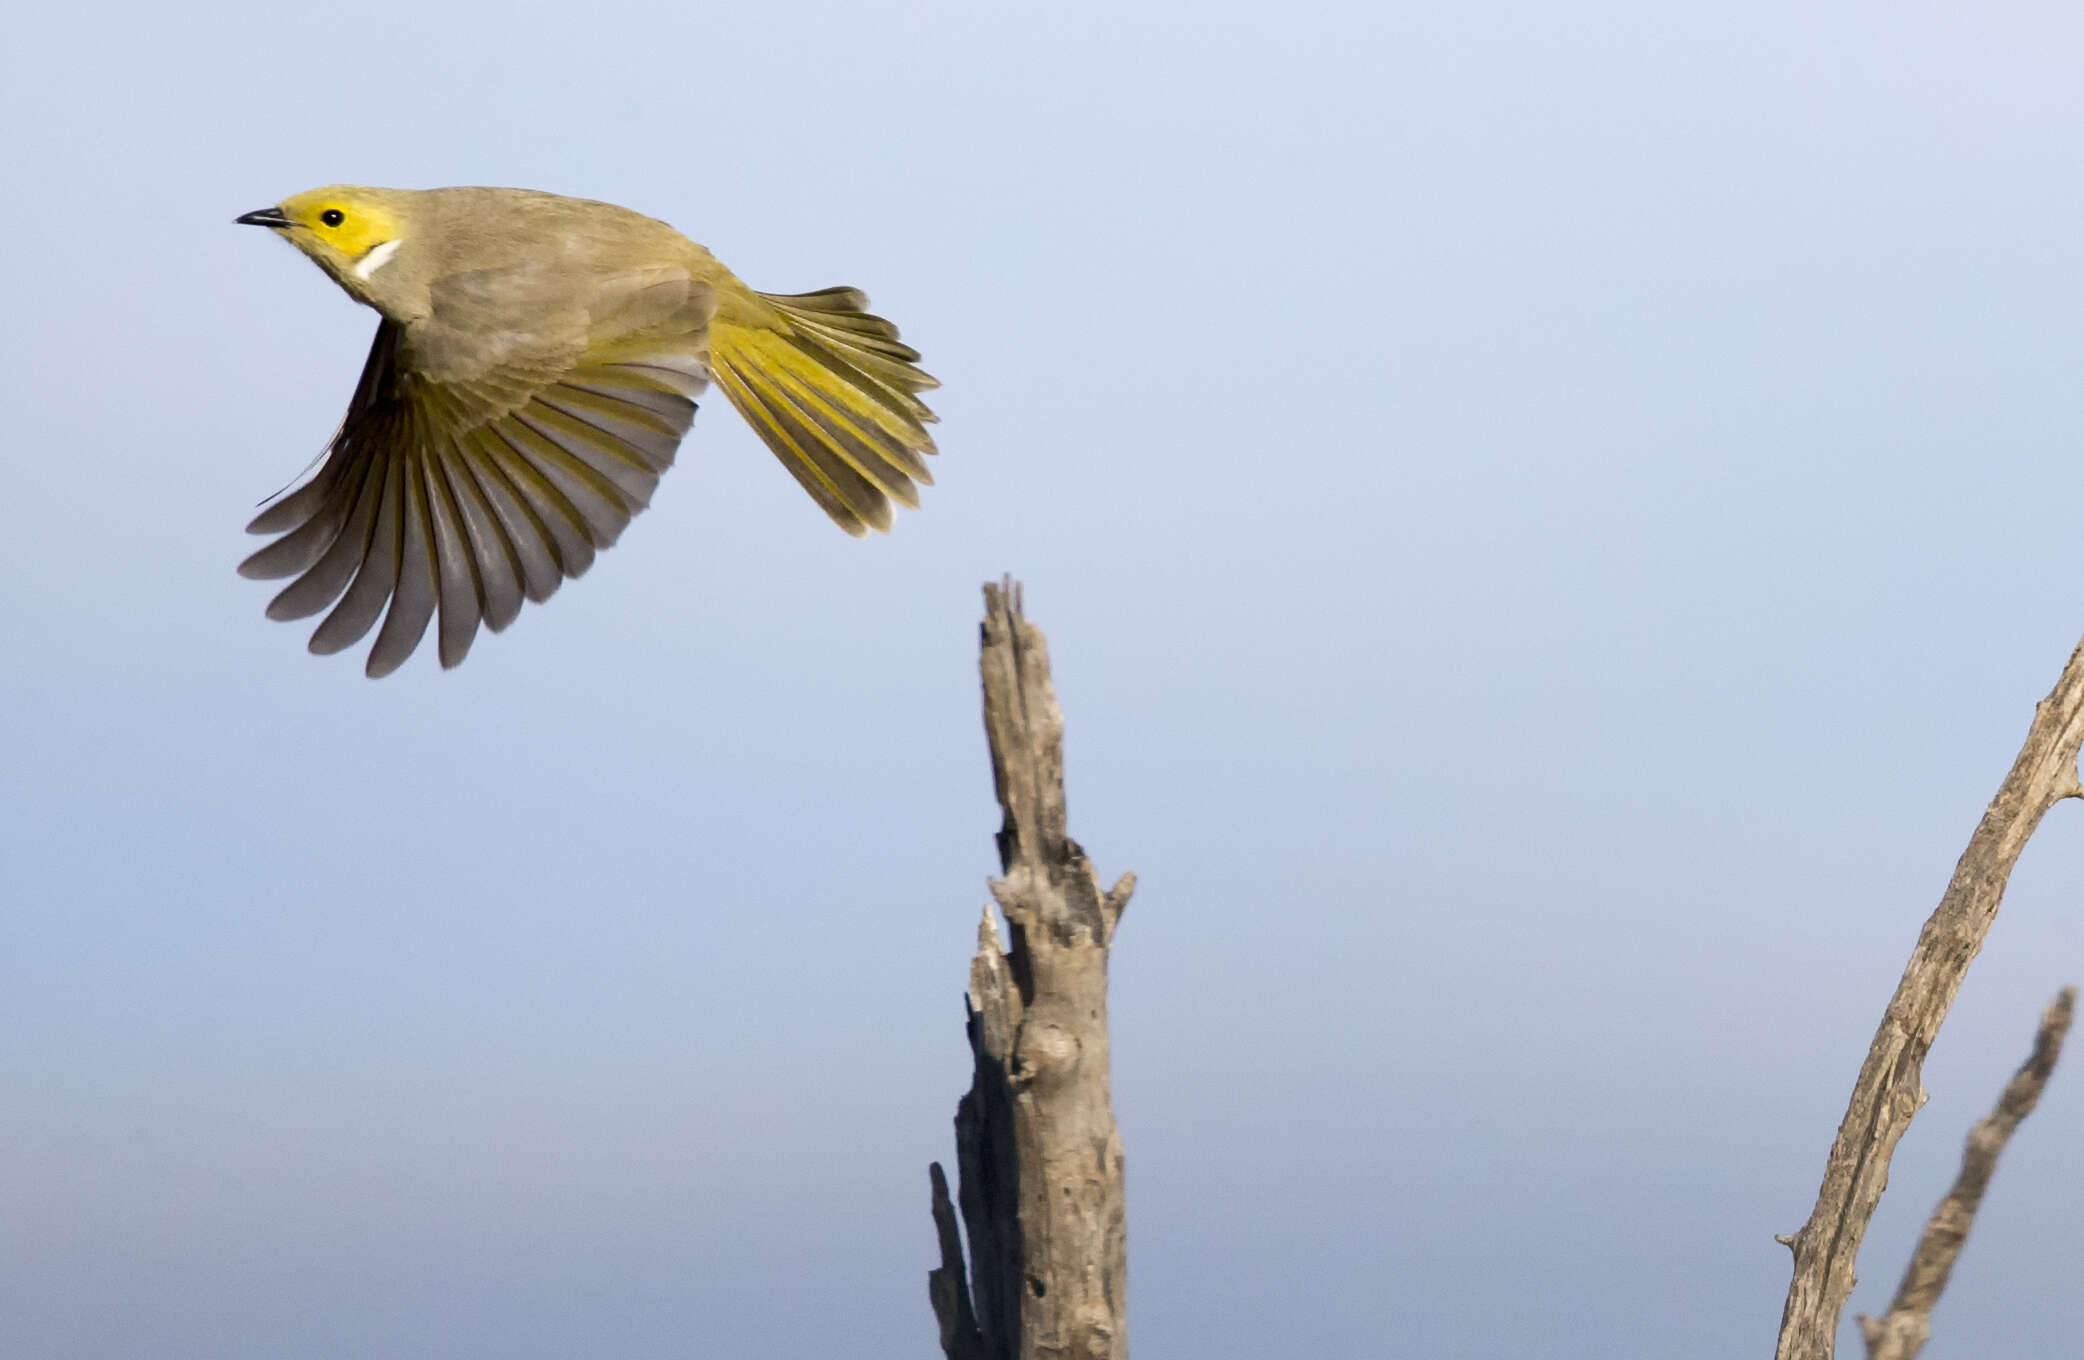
(534, 371)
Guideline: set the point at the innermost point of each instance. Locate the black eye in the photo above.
(332, 217)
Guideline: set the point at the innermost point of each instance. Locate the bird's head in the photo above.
(352, 233)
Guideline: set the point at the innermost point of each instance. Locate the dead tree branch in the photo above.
(1900, 1333)
(1890, 1089)
(1038, 1154)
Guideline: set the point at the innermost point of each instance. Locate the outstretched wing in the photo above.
(488, 453)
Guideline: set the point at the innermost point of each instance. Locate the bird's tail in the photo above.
(833, 392)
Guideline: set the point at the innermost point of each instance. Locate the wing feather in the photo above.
(535, 550)
(456, 568)
(413, 593)
(364, 601)
(615, 461)
(322, 583)
(499, 576)
(297, 550)
(671, 410)
(591, 496)
(563, 527)
(294, 506)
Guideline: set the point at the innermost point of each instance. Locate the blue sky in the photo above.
(1551, 526)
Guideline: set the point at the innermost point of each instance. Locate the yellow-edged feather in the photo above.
(832, 391)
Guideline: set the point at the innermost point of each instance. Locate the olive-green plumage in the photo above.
(534, 372)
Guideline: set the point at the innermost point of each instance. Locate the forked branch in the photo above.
(1890, 1089)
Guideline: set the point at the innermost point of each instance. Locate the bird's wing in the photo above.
(489, 451)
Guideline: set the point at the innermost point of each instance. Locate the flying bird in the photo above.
(534, 372)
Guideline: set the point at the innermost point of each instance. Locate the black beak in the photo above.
(263, 217)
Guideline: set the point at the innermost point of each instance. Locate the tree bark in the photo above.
(1038, 1153)
(1900, 1333)
(1890, 1089)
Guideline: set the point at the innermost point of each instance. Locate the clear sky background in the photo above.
(1551, 522)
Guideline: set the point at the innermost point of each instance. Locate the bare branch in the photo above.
(1900, 1333)
(1890, 1089)
(1039, 1157)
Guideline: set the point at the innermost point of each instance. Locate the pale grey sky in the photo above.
(1551, 523)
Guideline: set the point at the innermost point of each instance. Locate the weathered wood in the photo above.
(1900, 1333)
(1039, 1157)
(1890, 1089)
(948, 1286)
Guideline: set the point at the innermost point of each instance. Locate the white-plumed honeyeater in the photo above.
(536, 367)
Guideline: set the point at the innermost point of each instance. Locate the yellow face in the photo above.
(337, 218)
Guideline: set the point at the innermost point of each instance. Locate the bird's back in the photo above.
(479, 228)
